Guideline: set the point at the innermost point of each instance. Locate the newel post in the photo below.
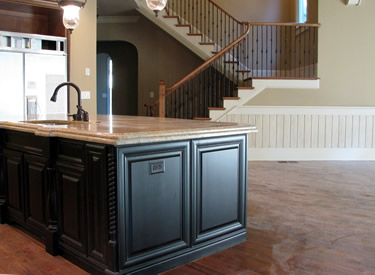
(161, 98)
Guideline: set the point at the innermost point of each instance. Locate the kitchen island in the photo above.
(126, 195)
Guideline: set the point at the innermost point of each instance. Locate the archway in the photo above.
(124, 59)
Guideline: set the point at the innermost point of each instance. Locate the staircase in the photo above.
(237, 56)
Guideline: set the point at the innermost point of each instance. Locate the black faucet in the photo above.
(81, 115)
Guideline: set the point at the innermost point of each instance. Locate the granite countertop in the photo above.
(119, 130)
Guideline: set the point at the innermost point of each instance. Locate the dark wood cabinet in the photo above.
(132, 209)
(219, 187)
(97, 193)
(3, 196)
(25, 180)
(29, 16)
(83, 189)
(35, 184)
(71, 206)
(13, 161)
(154, 201)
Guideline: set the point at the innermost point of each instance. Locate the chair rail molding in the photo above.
(308, 132)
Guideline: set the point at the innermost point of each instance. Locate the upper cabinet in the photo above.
(32, 16)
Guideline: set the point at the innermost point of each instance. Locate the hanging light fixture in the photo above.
(71, 12)
(156, 5)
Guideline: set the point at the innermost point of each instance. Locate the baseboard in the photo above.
(310, 154)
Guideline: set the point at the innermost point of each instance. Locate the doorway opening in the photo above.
(117, 78)
(104, 84)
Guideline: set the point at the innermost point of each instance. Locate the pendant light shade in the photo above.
(156, 5)
(71, 12)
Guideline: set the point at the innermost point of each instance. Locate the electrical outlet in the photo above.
(85, 94)
(87, 72)
(157, 167)
(152, 94)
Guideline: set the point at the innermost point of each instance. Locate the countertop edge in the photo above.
(128, 138)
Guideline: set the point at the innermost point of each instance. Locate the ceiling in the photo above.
(116, 7)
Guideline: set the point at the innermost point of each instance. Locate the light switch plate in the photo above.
(87, 72)
(85, 94)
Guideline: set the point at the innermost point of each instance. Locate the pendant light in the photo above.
(156, 5)
(71, 12)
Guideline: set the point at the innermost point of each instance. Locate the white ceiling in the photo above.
(115, 7)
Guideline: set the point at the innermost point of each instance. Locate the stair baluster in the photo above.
(242, 51)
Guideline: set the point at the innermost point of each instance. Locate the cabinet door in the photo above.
(153, 201)
(14, 185)
(2, 184)
(97, 222)
(71, 206)
(36, 192)
(219, 187)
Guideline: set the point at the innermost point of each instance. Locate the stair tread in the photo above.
(202, 118)
(231, 98)
(243, 71)
(170, 16)
(216, 108)
(195, 34)
(245, 88)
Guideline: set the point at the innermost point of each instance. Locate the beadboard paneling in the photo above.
(308, 127)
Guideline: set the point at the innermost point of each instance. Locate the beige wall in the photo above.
(160, 56)
(83, 55)
(260, 10)
(346, 60)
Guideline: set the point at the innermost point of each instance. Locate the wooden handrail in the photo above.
(223, 10)
(211, 60)
(204, 65)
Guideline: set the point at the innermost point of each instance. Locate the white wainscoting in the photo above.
(309, 133)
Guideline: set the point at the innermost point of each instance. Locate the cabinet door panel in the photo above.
(70, 184)
(14, 179)
(36, 191)
(96, 199)
(219, 187)
(154, 202)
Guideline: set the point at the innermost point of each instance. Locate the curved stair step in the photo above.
(184, 26)
(245, 88)
(207, 43)
(195, 34)
(231, 98)
(202, 118)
